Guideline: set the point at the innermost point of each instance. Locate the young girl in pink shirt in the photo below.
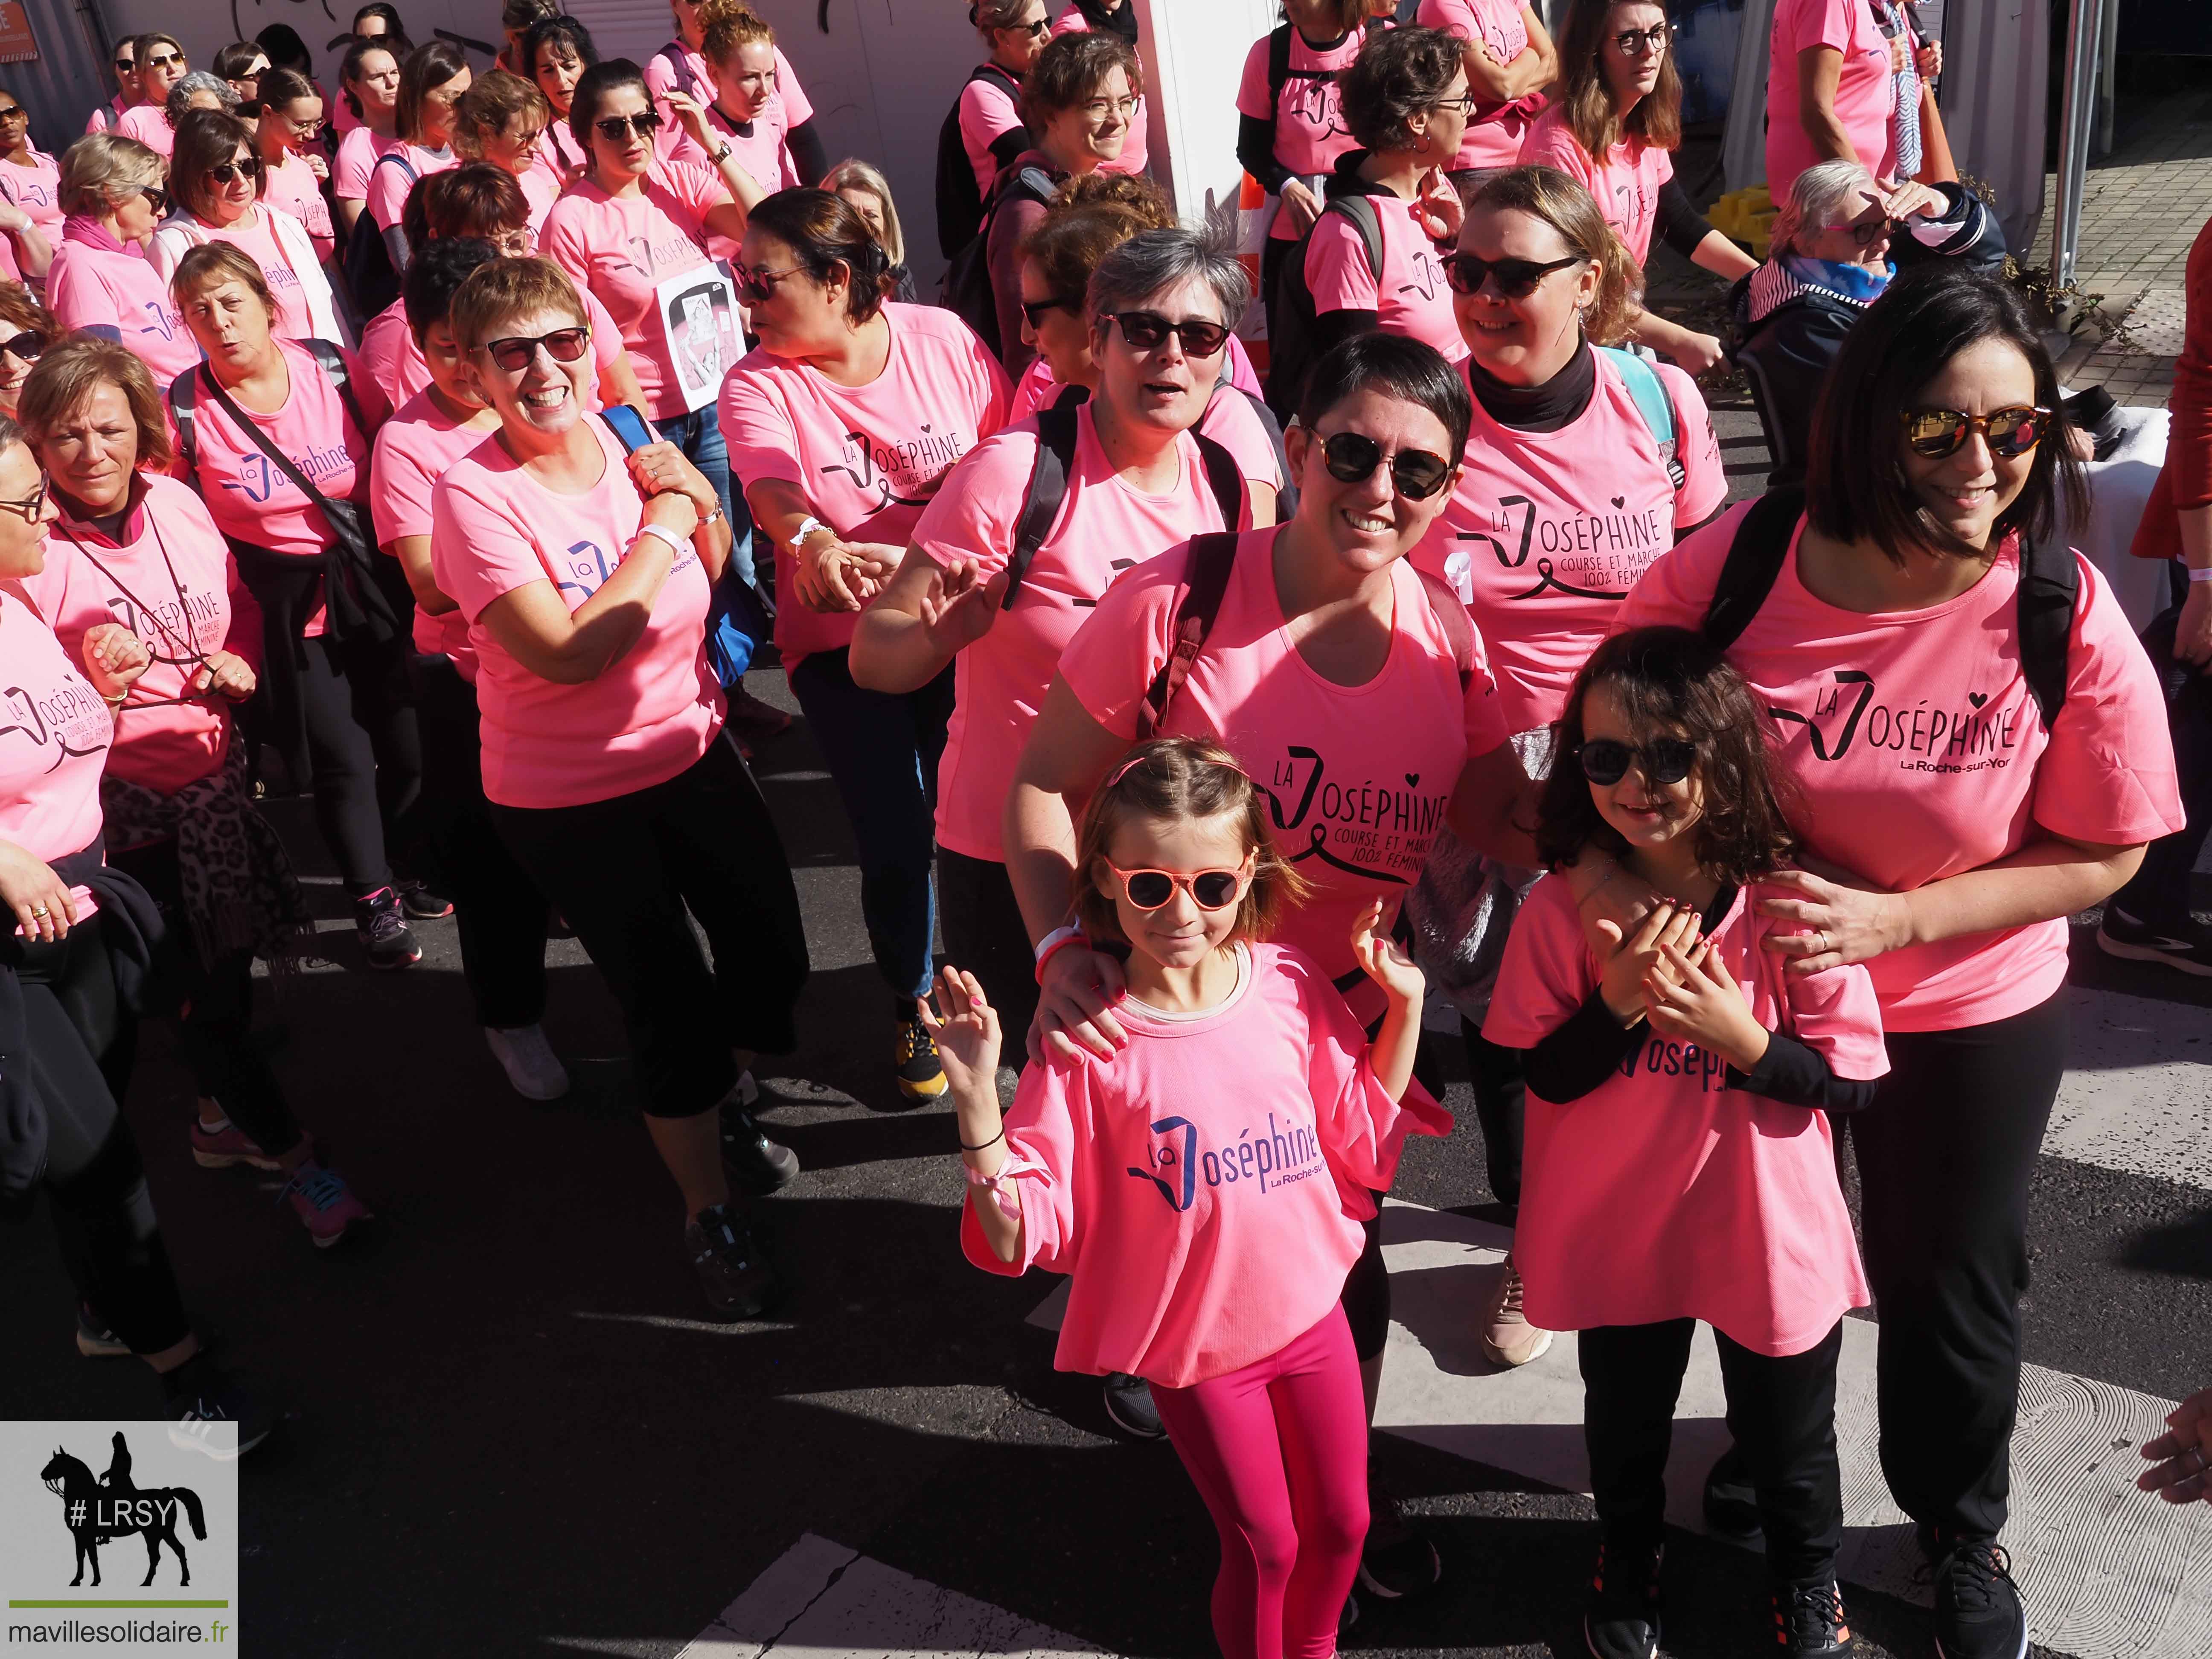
(1679, 1163)
(1205, 1188)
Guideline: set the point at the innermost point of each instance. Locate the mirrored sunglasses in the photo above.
(1937, 433)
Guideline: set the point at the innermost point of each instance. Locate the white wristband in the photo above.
(1054, 938)
(807, 526)
(677, 544)
(2197, 575)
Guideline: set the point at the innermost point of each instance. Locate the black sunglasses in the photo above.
(1035, 309)
(1517, 278)
(1662, 761)
(156, 197)
(1148, 331)
(1937, 433)
(617, 127)
(756, 284)
(516, 352)
(250, 167)
(1036, 31)
(27, 345)
(12, 112)
(1352, 457)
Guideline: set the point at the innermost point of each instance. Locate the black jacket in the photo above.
(1785, 331)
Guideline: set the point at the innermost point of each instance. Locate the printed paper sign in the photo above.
(699, 310)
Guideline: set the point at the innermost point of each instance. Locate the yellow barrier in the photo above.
(1747, 215)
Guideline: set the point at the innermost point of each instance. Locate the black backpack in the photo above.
(1291, 352)
(2050, 585)
(368, 271)
(967, 293)
(960, 204)
(1047, 484)
(1279, 62)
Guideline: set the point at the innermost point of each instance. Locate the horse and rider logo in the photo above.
(97, 1511)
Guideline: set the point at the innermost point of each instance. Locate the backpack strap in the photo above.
(2049, 588)
(1754, 560)
(1046, 490)
(1278, 67)
(1212, 560)
(679, 63)
(1361, 211)
(183, 395)
(627, 426)
(400, 157)
(1224, 479)
(1459, 629)
(1653, 404)
(334, 365)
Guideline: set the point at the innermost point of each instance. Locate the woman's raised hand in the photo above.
(1381, 960)
(1438, 206)
(967, 1038)
(1842, 922)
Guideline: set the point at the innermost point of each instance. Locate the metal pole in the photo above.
(2108, 64)
(2081, 35)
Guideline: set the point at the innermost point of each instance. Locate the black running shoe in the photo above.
(199, 1396)
(758, 1165)
(381, 923)
(1731, 1501)
(734, 1275)
(1396, 1561)
(1809, 1621)
(913, 1057)
(2121, 935)
(1978, 1610)
(420, 903)
(1129, 1403)
(1622, 1622)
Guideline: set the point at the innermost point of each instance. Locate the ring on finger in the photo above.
(2197, 1452)
(40, 912)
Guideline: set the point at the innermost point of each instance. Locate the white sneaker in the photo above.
(1508, 1338)
(529, 1061)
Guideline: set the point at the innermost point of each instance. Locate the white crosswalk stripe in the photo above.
(2135, 1097)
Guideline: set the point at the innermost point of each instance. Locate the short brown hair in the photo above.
(476, 198)
(1175, 779)
(1070, 70)
(1670, 682)
(205, 138)
(1398, 74)
(503, 289)
(65, 376)
(19, 305)
(490, 103)
(1585, 101)
(1548, 194)
(726, 25)
(102, 169)
(214, 263)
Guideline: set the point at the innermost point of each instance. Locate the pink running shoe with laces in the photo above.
(219, 1149)
(326, 1206)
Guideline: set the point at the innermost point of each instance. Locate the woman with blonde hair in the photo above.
(114, 194)
(868, 193)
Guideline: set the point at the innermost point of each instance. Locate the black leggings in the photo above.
(83, 1044)
(984, 934)
(624, 871)
(214, 1011)
(1944, 1157)
(366, 756)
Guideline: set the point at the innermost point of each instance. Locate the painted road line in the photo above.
(2107, 1572)
(2135, 1096)
(821, 1601)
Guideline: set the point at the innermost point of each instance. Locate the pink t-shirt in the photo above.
(787, 107)
(343, 121)
(558, 152)
(1663, 1194)
(541, 188)
(868, 458)
(149, 125)
(292, 186)
(358, 151)
(1106, 526)
(622, 248)
(104, 116)
(173, 583)
(1866, 88)
(36, 189)
(1309, 123)
(250, 498)
(757, 147)
(92, 288)
(1358, 776)
(1204, 1188)
(1409, 298)
(987, 112)
(1917, 753)
(413, 449)
(643, 721)
(390, 357)
(1132, 158)
(1547, 531)
(54, 733)
(388, 185)
(1626, 184)
(1494, 131)
(256, 237)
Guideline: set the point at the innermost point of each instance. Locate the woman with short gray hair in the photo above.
(199, 90)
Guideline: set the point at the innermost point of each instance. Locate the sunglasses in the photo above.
(1036, 31)
(27, 345)
(617, 127)
(12, 112)
(1636, 43)
(1662, 761)
(1209, 889)
(251, 168)
(1035, 309)
(1352, 457)
(516, 352)
(1937, 433)
(126, 64)
(1517, 278)
(755, 286)
(1148, 331)
(1867, 232)
(35, 503)
(156, 197)
(163, 62)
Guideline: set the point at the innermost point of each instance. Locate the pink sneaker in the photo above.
(324, 1203)
(218, 1149)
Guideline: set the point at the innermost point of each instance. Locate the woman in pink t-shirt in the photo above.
(1955, 823)
(501, 120)
(1680, 1164)
(745, 117)
(585, 579)
(501, 912)
(992, 130)
(30, 183)
(1509, 60)
(1250, 1100)
(844, 424)
(215, 180)
(1831, 90)
(135, 547)
(289, 139)
(125, 66)
(162, 64)
(369, 84)
(559, 51)
(431, 85)
(1119, 19)
(26, 329)
(265, 414)
(1617, 115)
(112, 188)
(1405, 99)
(680, 66)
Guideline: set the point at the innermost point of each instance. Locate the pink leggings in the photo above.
(1279, 1451)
